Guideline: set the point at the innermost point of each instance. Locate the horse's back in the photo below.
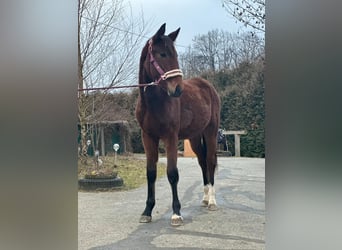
(200, 107)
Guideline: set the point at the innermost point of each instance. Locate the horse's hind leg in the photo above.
(199, 149)
(151, 150)
(211, 160)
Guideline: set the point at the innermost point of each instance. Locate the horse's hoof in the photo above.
(176, 220)
(145, 219)
(204, 203)
(212, 207)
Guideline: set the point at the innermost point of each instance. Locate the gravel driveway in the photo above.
(109, 220)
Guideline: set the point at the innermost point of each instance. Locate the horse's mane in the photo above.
(142, 78)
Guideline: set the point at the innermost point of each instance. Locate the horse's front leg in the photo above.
(151, 150)
(173, 177)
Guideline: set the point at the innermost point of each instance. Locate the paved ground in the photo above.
(109, 220)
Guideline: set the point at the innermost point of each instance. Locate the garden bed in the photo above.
(128, 171)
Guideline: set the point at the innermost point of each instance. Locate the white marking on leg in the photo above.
(175, 217)
(176, 220)
(205, 199)
(212, 201)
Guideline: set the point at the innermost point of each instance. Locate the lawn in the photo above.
(131, 169)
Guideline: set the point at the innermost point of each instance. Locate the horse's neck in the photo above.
(143, 79)
(152, 98)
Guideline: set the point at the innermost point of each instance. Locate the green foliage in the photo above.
(243, 108)
(220, 79)
(136, 140)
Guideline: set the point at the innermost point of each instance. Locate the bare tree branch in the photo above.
(220, 50)
(249, 12)
(109, 38)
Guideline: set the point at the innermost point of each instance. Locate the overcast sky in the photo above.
(193, 16)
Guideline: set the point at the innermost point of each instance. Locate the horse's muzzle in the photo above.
(176, 92)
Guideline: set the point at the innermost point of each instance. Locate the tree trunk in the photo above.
(81, 111)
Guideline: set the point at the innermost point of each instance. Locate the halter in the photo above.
(163, 75)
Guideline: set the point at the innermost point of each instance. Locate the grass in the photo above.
(131, 169)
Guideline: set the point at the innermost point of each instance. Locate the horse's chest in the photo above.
(161, 123)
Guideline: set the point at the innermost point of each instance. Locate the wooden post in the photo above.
(237, 145)
(102, 141)
(236, 139)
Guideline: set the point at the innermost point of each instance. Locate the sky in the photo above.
(194, 17)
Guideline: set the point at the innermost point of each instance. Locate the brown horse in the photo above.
(172, 109)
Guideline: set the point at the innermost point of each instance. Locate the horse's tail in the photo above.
(204, 148)
(216, 110)
(215, 159)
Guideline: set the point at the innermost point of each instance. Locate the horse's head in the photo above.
(160, 63)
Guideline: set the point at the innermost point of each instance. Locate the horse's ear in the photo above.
(160, 32)
(173, 35)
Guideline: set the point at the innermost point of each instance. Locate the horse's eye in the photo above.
(163, 54)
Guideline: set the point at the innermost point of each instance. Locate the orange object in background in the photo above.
(188, 150)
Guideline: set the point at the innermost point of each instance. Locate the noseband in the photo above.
(163, 75)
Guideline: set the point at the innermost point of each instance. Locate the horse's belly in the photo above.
(195, 111)
(192, 123)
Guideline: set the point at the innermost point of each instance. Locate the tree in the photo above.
(109, 40)
(249, 12)
(108, 44)
(243, 107)
(208, 46)
(218, 51)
